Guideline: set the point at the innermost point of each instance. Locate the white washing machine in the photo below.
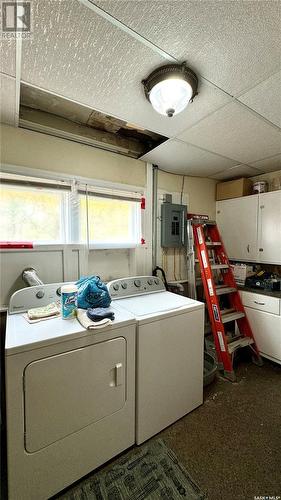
(169, 352)
(70, 396)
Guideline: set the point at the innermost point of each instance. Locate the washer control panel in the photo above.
(138, 285)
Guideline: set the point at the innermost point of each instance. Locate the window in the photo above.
(32, 214)
(45, 212)
(110, 221)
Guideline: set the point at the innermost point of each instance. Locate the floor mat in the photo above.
(153, 472)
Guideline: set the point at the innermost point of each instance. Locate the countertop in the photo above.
(260, 291)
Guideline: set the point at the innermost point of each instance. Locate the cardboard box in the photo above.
(234, 189)
(241, 272)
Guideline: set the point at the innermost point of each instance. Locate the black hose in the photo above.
(154, 273)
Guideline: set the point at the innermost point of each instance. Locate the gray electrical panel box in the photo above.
(173, 225)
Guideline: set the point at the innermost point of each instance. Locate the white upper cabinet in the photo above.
(269, 228)
(238, 223)
(250, 227)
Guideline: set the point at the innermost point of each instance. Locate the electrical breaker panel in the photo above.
(173, 225)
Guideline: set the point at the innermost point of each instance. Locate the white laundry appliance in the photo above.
(70, 396)
(169, 351)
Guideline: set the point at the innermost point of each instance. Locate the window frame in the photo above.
(63, 218)
(136, 216)
(70, 215)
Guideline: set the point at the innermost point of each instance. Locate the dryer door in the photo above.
(69, 391)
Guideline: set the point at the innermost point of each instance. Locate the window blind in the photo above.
(114, 194)
(21, 180)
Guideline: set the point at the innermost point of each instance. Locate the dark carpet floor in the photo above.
(231, 445)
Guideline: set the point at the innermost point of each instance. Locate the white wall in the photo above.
(199, 196)
(45, 152)
(201, 191)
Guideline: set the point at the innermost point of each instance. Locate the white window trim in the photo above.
(60, 176)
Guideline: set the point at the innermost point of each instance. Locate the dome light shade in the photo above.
(170, 88)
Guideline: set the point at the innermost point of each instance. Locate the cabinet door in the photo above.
(270, 227)
(267, 332)
(238, 223)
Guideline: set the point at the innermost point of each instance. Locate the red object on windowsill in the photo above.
(16, 244)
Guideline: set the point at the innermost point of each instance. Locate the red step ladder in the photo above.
(206, 238)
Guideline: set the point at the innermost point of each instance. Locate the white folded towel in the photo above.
(89, 324)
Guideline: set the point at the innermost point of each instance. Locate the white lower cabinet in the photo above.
(266, 326)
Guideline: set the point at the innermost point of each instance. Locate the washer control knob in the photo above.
(40, 294)
(150, 281)
(116, 287)
(156, 281)
(137, 283)
(124, 286)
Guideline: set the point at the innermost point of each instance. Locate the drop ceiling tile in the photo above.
(268, 164)
(209, 99)
(79, 55)
(8, 56)
(265, 98)
(8, 99)
(232, 43)
(235, 172)
(235, 132)
(181, 158)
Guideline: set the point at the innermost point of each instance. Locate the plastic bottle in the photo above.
(69, 295)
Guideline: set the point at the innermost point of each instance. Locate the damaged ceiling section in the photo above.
(51, 114)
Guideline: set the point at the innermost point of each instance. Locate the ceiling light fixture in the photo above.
(170, 88)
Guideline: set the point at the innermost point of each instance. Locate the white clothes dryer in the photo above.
(169, 351)
(70, 396)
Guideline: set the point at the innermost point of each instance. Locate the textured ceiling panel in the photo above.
(8, 56)
(269, 164)
(235, 44)
(179, 157)
(209, 99)
(235, 172)
(77, 54)
(237, 133)
(265, 98)
(8, 99)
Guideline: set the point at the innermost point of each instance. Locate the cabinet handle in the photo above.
(248, 248)
(259, 303)
(260, 249)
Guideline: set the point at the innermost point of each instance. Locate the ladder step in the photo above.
(222, 290)
(197, 260)
(242, 342)
(210, 222)
(219, 266)
(231, 316)
(203, 222)
(213, 243)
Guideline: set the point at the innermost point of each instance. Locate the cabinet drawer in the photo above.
(261, 302)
